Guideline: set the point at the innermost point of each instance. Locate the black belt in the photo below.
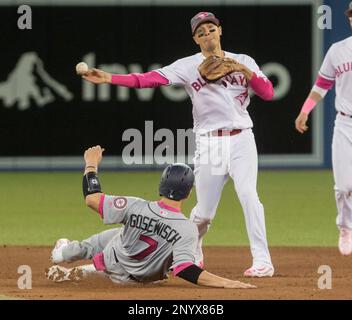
(344, 114)
(223, 132)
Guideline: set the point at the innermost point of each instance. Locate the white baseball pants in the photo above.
(342, 169)
(217, 158)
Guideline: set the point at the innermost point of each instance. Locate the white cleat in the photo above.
(56, 253)
(60, 274)
(345, 241)
(259, 272)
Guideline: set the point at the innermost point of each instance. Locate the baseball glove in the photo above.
(213, 68)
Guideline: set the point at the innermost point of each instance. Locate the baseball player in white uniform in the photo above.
(156, 236)
(337, 70)
(224, 139)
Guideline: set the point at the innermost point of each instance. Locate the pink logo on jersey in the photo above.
(199, 84)
(120, 203)
(242, 97)
(345, 67)
(236, 79)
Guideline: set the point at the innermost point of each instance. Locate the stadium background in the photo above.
(48, 116)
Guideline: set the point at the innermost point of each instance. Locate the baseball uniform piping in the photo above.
(163, 216)
(163, 205)
(101, 205)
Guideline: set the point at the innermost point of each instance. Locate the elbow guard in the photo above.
(191, 273)
(91, 184)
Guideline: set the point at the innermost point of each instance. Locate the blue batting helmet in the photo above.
(176, 181)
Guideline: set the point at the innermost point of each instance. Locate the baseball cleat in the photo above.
(259, 272)
(56, 253)
(345, 241)
(60, 274)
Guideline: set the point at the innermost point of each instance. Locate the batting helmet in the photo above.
(176, 181)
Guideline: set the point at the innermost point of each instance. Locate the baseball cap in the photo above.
(202, 17)
(348, 12)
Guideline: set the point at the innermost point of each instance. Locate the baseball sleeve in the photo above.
(115, 209)
(327, 69)
(185, 249)
(174, 72)
(252, 65)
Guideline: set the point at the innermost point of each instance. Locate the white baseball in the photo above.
(81, 68)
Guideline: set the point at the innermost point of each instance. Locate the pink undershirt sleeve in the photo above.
(262, 87)
(181, 267)
(150, 79)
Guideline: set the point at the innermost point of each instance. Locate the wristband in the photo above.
(191, 273)
(91, 184)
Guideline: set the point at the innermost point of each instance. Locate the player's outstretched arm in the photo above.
(211, 280)
(91, 185)
(202, 277)
(150, 79)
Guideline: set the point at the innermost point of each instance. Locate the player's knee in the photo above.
(202, 214)
(200, 221)
(203, 224)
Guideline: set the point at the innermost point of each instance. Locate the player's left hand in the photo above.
(93, 156)
(232, 284)
(301, 122)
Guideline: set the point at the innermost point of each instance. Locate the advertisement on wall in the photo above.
(48, 111)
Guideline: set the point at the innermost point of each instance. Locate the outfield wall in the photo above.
(48, 115)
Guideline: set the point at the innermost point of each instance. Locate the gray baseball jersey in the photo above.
(154, 239)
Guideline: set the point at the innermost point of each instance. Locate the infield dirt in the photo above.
(296, 277)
